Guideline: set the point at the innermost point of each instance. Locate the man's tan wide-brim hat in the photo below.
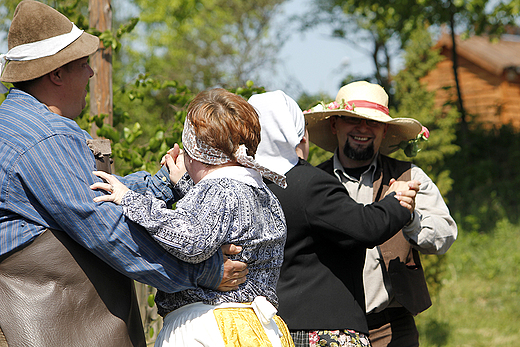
(32, 22)
(362, 100)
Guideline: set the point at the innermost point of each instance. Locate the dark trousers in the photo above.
(394, 327)
(400, 332)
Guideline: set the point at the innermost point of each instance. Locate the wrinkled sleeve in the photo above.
(194, 230)
(432, 230)
(58, 175)
(334, 215)
(159, 185)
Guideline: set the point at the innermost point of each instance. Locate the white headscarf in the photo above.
(283, 127)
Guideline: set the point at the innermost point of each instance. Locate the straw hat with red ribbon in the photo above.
(361, 100)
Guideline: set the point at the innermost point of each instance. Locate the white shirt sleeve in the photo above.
(432, 230)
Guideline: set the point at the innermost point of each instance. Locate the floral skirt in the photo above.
(333, 338)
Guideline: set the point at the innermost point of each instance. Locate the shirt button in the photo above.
(163, 179)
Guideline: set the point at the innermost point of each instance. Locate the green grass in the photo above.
(478, 303)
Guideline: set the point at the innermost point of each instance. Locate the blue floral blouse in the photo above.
(230, 205)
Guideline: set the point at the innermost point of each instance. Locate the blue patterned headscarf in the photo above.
(207, 154)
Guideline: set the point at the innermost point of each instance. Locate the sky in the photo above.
(313, 61)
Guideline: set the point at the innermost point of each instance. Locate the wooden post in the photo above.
(101, 103)
(101, 62)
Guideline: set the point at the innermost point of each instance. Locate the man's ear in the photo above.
(332, 121)
(386, 129)
(56, 76)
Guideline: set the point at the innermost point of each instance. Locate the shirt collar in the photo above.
(240, 173)
(339, 171)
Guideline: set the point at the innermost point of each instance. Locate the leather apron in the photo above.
(54, 292)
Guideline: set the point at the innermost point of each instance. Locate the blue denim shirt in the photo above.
(45, 177)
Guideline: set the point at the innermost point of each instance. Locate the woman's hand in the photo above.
(174, 161)
(113, 186)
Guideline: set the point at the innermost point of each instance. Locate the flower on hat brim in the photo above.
(334, 105)
(411, 147)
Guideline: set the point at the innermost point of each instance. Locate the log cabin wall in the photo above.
(490, 86)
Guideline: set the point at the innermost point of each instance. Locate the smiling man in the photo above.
(357, 127)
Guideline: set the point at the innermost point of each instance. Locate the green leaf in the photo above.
(151, 300)
(137, 161)
(154, 144)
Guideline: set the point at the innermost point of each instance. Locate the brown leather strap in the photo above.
(397, 247)
(54, 292)
(401, 259)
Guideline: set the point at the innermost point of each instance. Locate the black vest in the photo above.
(401, 259)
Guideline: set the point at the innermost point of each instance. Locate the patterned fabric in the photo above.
(199, 150)
(204, 153)
(332, 338)
(214, 212)
(300, 338)
(45, 177)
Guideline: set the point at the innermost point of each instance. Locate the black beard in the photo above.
(360, 155)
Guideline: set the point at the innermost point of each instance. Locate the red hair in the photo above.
(225, 121)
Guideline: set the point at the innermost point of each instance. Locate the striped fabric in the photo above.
(45, 177)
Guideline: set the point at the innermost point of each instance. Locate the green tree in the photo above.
(375, 28)
(486, 175)
(414, 100)
(75, 10)
(204, 43)
(387, 25)
(196, 43)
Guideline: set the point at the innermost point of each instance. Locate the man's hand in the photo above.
(405, 192)
(234, 271)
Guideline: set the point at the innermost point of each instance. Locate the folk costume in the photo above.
(67, 264)
(395, 287)
(321, 286)
(229, 205)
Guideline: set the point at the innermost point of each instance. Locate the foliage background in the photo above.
(181, 47)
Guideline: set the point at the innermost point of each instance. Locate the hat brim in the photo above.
(19, 71)
(399, 129)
